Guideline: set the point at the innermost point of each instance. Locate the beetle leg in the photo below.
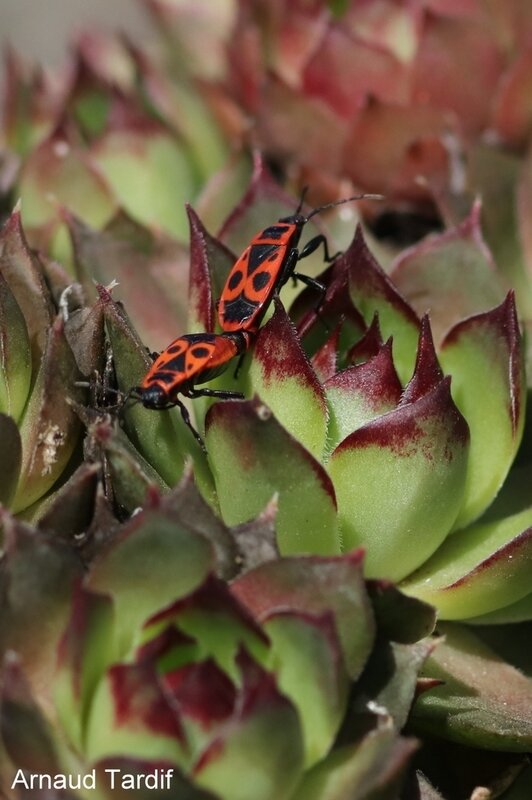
(186, 419)
(312, 282)
(222, 394)
(313, 245)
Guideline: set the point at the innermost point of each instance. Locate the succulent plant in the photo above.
(207, 610)
(261, 688)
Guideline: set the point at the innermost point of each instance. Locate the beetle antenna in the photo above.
(345, 200)
(302, 199)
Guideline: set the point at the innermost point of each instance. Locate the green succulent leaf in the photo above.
(373, 292)
(305, 644)
(149, 175)
(372, 769)
(39, 572)
(483, 701)
(15, 354)
(67, 511)
(310, 585)
(482, 351)
(50, 427)
(264, 716)
(402, 515)
(391, 676)
(60, 172)
(11, 459)
(252, 458)
(85, 651)
(186, 502)
(484, 568)
(361, 393)
(399, 617)
(450, 275)
(519, 611)
(210, 263)
(496, 173)
(256, 540)
(130, 714)
(24, 276)
(26, 734)
(150, 268)
(210, 614)
(84, 331)
(133, 479)
(154, 542)
(281, 375)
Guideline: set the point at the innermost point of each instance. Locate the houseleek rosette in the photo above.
(258, 688)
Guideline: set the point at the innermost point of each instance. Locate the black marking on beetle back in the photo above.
(274, 232)
(176, 364)
(239, 309)
(258, 255)
(200, 352)
(234, 280)
(260, 280)
(163, 377)
(174, 348)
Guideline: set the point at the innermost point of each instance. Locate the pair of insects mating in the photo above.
(262, 269)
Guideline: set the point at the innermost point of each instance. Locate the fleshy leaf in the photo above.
(85, 651)
(152, 543)
(130, 714)
(483, 701)
(450, 275)
(15, 354)
(373, 292)
(213, 616)
(344, 70)
(373, 768)
(133, 479)
(60, 171)
(252, 457)
(282, 376)
(50, 427)
(361, 393)
(485, 350)
(449, 50)
(84, 331)
(24, 276)
(210, 263)
(67, 512)
(389, 146)
(390, 678)
(482, 569)
(311, 586)
(256, 540)
(399, 617)
(402, 515)
(512, 111)
(11, 458)
(149, 175)
(38, 573)
(496, 173)
(186, 501)
(305, 644)
(263, 715)
(150, 268)
(26, 734)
